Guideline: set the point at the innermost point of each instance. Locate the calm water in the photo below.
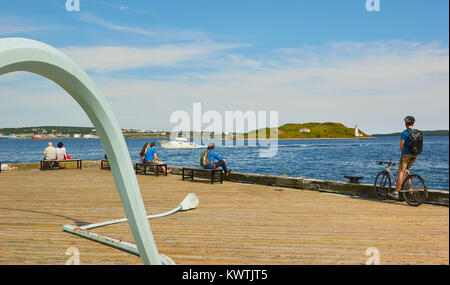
(320, 159)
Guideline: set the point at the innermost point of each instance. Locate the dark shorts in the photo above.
(406, 161)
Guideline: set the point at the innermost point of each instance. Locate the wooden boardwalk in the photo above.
(234, 224)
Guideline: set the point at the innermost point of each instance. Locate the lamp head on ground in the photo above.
(190, 202)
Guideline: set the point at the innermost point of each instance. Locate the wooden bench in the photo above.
(141, 168)
(354, 179)
(194, 170)
(45, 164)
(104, 164)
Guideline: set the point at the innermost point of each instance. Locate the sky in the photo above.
(309, 60)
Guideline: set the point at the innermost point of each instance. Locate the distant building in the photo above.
(89, 136)
(304, 130)
(76, 136)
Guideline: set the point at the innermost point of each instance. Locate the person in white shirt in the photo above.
(50, 152)
(60, 151)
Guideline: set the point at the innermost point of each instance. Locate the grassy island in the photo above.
(325, 130)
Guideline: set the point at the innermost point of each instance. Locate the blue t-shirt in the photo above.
(149, 155)
(405, 137)
(213, 155)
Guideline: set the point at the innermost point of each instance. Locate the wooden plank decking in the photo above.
(234, 224)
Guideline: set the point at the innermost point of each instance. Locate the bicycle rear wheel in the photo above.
(382, 185)
(414, 190)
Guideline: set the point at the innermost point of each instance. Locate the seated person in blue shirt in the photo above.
(151, 156)
(213, 164)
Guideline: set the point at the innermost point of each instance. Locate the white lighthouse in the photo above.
(357, 134)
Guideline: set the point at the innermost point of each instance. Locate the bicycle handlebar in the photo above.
(389, 163)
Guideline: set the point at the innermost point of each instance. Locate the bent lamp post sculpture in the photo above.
(19, 54)
(190, 202)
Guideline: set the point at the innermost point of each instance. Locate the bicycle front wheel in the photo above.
(382, 185)
(414, 190)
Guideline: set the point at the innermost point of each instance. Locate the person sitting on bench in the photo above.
(207, 160)
(60, 153)
(151, 157)
(142, 153)
(50, 154)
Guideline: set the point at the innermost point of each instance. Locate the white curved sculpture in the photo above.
(18, 54)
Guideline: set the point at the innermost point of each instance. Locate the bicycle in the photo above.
(414, 190)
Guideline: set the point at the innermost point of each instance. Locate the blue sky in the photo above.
(308, 60)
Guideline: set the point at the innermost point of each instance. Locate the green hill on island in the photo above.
(313, 131)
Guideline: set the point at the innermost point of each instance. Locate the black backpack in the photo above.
(416, 138)
(204, 159)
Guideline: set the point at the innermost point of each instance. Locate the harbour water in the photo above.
(319, 159)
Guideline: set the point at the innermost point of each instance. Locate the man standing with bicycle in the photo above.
(411, 143)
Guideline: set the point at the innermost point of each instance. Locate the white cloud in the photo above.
(6, 29)
(374, 89)
(165, 35)
(108, 25)
(10, 25)
(113, 58)
(372, 84)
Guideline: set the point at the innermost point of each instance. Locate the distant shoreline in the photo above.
(355, 138)
(360, 138)
(435, 133)
(143, 137)
(239, 139)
